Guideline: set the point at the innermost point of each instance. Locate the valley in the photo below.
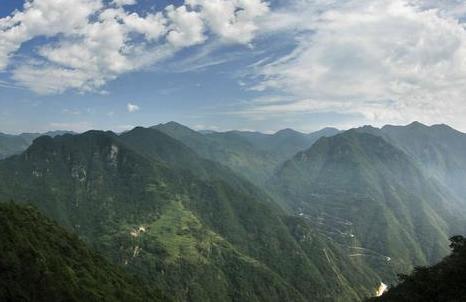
(333, 222)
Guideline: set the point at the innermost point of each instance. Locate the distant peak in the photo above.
(416, 124)
(326, 130)
(171, 125)
(174, 124)
(287, 131)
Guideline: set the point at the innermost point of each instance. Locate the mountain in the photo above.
(439, 150)
(372, 198)
(182, 223)
(444, 281)
(253, 155)
(287, 142)
(11, 144)
(15, 144)
(42, 262)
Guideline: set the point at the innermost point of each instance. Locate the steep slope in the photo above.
(371, 197)
(229, 148)
(253, 155)
(15, 144)
(443, 282)
(439, 150)
(181, 222)
(11, 144)
(42, 262)
(285, 143)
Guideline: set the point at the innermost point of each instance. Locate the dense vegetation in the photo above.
(253, 155)
(245, 216)
(373, 198)
(181, 222)
(443, 282)
(40, 261)
(15, 144)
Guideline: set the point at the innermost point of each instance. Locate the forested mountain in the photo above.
(182, 223)
(15, 144)
(372, 197)
(439, 150)
(12, 144)
(254, 155)
(443, 282)
(246, 216)
(40, 261)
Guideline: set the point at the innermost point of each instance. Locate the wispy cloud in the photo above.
(388, 60)
(132, 107)
(96, 41)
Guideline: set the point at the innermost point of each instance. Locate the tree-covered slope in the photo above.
(40, 261)
(253, 155)
(372, 198)
(443, 282)
(284, 143)
(439, 150)
(15, 144)
(181, 222)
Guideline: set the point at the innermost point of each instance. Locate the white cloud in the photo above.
(42, 18)
(124, 2)
(187, 27)
(390, 61)
(232, 20)
(132, 107)
(96, 42)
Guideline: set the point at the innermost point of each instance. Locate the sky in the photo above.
(231, 64)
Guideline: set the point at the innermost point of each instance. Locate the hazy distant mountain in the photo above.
(181, 222)
(371, 196)
(439, 150)
(254, 155)
(40, 261)
(11, 144)
(15, 144)
(286, 142)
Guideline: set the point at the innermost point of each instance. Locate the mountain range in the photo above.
(247, 216)
(15, 144)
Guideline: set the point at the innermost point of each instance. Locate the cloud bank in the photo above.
(388, 61)
(90, 42)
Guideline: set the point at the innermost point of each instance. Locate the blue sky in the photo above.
(230, 64)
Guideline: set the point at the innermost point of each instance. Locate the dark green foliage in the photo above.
(15, 144)
(443, 282)
(179, 221)
(174, 212)
(439, 151)
(370, 197)
(253, 155)
(42, 262)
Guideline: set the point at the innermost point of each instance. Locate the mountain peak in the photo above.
(416, 124)
(287, 131)
(171, 124)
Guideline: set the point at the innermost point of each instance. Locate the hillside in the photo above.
(253, 155)
(438, 150)
(181, 222)
(12, 144)
(443, 282)
(372, 198)
(15, 144)
(42, 262)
